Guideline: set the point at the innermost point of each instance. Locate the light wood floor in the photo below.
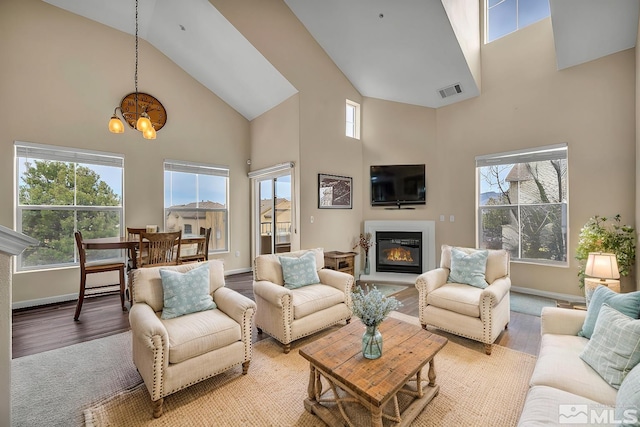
(48, 327)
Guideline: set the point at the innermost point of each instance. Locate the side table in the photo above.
(340, 261)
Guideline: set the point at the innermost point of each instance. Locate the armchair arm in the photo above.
(339, 280)
(561, 321)
(145, 325)
(234, 304)
(497, 290)
(272, 293)
(431, 280)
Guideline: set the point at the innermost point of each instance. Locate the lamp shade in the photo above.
(115, 125)
(149, 133)
(143, 122)
(602, 265)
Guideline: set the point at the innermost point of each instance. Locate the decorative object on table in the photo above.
(365, 243)
(371, 307)
(602, 234)
(604, 268)
(334, 192)
(141, 111)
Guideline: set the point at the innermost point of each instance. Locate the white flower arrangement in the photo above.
(371, 306)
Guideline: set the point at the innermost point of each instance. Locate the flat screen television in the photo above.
(398, 185)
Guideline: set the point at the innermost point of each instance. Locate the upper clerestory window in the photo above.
(506, 16)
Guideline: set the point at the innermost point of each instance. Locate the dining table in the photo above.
(131, 244)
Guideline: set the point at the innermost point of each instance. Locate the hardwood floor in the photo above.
(49, 327)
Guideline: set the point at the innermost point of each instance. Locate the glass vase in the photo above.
(372, 343)
(366, 264)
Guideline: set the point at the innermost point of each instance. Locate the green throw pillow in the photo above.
(628, 399)
(186, 293)
(468, 268)
(614, 347)
(299, 272)
(628, 304)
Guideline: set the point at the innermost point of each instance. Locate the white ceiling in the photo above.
(406, 56)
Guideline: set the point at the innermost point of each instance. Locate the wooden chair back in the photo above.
(133, 233)
(162, 248)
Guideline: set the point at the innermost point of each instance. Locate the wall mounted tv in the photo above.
(398, 185)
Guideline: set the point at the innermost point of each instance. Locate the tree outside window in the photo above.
(522, 205)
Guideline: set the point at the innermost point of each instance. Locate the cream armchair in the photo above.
(471, 312)
(175, 353)
(290, 314)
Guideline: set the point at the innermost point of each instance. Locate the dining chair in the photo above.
(202, 250)
(133, 233)
(163, 248)
(86, 269)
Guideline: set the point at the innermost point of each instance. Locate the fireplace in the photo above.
(399, 252)
(426, 259)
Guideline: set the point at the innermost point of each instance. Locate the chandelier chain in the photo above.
(136, 72)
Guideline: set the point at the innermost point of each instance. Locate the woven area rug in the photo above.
(475, 389)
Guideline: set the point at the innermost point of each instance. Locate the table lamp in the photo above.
(604, 267)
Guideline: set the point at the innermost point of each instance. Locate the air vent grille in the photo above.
(450, 90)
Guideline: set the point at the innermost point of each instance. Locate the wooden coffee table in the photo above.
(340, 375)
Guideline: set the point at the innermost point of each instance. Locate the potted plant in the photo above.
(365, 243)
(602, 234)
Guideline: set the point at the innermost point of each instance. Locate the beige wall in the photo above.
(637, 157)
(62, 77)
(526, 103)
(323, 147)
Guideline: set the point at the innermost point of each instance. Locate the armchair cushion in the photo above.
(614, 347)
(628, 304)
(185, 293)
(468, 268)
(200, 333)
(457, 297)
(268, 267)
(311, 299)
(299, 271)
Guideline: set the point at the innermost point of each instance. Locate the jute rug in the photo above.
(475, 389)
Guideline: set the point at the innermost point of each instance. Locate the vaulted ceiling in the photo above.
(404, 51)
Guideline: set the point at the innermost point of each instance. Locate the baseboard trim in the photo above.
(44, 301)
(547, 294)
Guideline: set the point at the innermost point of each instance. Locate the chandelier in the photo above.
(141, 111)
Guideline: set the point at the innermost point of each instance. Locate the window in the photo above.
(506, 16)
(60, 190)
(522, 204)
(196, 198)
(353, 119)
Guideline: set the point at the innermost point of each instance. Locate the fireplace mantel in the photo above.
(427, 228)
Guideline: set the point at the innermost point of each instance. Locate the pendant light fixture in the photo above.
(141, 111)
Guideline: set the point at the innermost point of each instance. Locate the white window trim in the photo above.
(356, 119)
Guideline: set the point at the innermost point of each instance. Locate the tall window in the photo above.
(196, 198)
(353, 119)
(506, 16)
(522, 203)
(60, 190)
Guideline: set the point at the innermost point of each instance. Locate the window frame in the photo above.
(550, 152)
(518, 26)
(77, 156)
(354, 125)
(183, 166)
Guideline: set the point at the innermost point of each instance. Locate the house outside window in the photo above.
(196, 198)
(522, 204)
(506, 16)
(353, 119)
(62, 190)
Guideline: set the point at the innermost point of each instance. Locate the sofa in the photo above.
(289, 312)
(174, 348)
(450, 303)
(564, 389)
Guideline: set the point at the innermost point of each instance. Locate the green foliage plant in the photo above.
(602, 234)
(371, 306)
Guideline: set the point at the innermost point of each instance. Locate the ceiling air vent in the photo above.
(450, 90)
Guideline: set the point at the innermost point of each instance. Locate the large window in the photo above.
(61, 190)
(522, 203)
(196, 198)
(506, 16)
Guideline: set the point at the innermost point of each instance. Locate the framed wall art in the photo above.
(334, 192)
